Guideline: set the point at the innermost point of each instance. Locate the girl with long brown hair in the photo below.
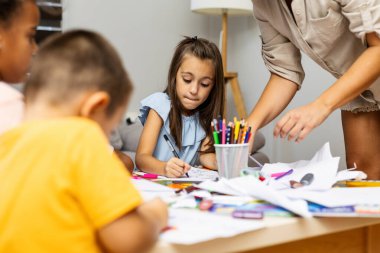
(181, 115)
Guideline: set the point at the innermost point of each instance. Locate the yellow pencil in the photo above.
(237, 130)
(363, 183)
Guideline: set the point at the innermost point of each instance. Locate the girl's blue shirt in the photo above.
(192, 132)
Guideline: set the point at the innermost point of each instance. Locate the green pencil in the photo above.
(216, 137)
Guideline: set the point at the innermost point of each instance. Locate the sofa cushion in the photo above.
(258, 142)
(126, 137)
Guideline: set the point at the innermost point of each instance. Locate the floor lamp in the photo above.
(226, 8)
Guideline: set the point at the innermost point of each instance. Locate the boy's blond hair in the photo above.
(75, 62)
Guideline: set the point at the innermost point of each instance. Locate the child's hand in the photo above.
(158, 212)
(175, 167)
(137, 230)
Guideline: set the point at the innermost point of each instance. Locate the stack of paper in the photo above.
(323, 166)
(250, 186)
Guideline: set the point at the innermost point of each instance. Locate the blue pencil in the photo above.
(246, 138)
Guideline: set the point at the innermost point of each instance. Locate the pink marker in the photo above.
(144, 175)
(224, 132)
(279, 175)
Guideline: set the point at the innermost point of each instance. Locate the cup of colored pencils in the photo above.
(231, 142)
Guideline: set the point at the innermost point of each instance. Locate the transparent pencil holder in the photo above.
(231, 158)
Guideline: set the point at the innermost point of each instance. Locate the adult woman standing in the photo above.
(343, 37)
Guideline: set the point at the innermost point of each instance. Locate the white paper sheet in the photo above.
(221, 187)
(323, 166)
(150, 190)
(191, 226)
(189, 201)
(146, 185)
(350, 174)
(335, 197)
(231, 200)
(185, 202)
(196, 175)
(203, 173)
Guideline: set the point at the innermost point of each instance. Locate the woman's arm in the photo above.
(363, 72)
(297, 123)
(144, 155)
(276, 96)
(207, 160)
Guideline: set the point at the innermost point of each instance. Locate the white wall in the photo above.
(145, 33)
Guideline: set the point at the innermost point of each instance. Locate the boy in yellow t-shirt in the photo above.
(61, 188)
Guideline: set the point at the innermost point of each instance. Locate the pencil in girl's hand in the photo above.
(171, 146)
(172, 149)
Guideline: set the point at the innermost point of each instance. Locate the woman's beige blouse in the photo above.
(331, 32)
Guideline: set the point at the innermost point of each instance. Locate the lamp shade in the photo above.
(217, 7)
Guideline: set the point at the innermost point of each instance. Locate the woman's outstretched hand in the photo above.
(298, 123)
